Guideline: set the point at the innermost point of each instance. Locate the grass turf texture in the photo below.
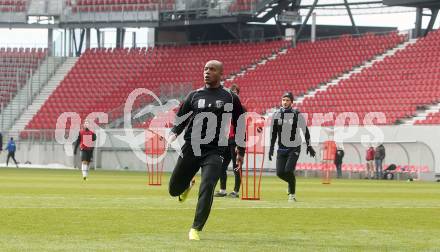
(42, 210)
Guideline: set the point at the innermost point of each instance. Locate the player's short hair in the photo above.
(235, 87)
(288, 95)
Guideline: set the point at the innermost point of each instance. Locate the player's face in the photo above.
(286, 102)
(86, 125)
(212, 73)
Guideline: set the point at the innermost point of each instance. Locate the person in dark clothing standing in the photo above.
(286, 124)
(230, 155)
(379, 156)
(339, 156)
(85, 140)
(208, 113)
(11, 147)
(1, 142)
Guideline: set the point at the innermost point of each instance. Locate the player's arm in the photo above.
(302, 122)
(182, 118)
(77, 142)
(310, 149)
(307, 136)
(93, 137)
(274, 134)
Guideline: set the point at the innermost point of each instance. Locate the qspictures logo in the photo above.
(205, 124)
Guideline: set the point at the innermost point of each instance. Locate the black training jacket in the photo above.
(296, 121)
(209, 100)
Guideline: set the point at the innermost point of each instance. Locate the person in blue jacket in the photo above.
(11, 151)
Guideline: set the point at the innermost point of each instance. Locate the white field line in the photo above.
(286, 206)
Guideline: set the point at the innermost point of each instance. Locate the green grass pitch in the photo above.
(54, 210)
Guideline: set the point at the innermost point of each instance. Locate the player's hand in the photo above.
(239, 160)
(237, 168)
(311, 151)
(270, 154)
(171, 138)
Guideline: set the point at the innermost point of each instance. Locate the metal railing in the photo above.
(111, 13)
(42, 82)
(221, 42)
(350, 35)
(216, 8)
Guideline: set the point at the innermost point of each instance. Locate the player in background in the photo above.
(287, 156)
(339, 157)
(85, 141)
(11, 147)
(230, 155)
(369, 157)
(1, 142)
(215, 100)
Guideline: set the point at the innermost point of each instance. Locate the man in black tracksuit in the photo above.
(286, 124)
(230, 155)
(205, 141)
(339, 156)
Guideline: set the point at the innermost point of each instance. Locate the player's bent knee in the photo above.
(173, 192)
(281, 174)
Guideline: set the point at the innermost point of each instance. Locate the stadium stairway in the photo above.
(298, 101)
(426, 116)
(252, 67)
(46, 90)
(16, 106)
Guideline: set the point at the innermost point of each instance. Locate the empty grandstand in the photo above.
(309, 65)
(16, 66)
